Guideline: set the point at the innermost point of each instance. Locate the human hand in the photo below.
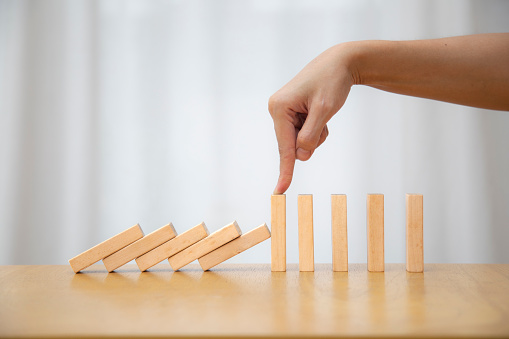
(302, 108)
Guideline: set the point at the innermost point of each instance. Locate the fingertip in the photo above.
(282, 185)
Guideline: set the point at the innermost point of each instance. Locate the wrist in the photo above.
(365, 61)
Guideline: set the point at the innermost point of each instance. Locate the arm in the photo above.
(468, 70)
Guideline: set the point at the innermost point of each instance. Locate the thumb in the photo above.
(309, 135)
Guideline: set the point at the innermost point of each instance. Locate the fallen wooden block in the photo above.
(210, 243)
(339, 233)
(375, 230)
(139, 247)
(107, 247)
(414, 233)
(306, 239)
(172, 247)
(278, 230)
(234, 247)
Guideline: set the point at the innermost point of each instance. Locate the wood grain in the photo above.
(107, 247)
(172, 247)
(339, 233)
(375, 232)
(207, 245)
(414, 233)
(447, 301)
(278, 230)
(234, 247)
(139, 247)
(306, 238)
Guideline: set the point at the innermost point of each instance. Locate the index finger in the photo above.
(286, 137)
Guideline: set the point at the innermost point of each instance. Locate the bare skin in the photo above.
(467, 70)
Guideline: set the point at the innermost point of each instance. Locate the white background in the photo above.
(114, 113)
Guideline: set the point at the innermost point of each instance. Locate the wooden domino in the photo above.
(234, 247)
(375, 230)
(278, 230)
(306, 240)
(107, 247)
(213, 249)
(207, 245)
(414, 233)
(172, 247)
(139, 247)
(339, 233)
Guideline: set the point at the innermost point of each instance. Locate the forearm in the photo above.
(469, 70)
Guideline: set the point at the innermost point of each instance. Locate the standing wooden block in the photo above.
(107, 247)
(207, 245)
(235, 247)
(414, 233)
(172, 247)
(140, 247)
(375, 230)
(339, 233)
(278, 228)
(306, 240)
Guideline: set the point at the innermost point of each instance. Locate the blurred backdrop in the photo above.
(114, 113)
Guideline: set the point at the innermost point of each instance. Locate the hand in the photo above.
(468, 70)
(302, 108)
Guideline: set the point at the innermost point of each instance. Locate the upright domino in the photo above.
(107, 247)
(306, 240)
(172, 247)
(278, 230)
(207, 245)
(339, 233)
(140, 247)
(414, 233)
(375, 230)
(234, 247)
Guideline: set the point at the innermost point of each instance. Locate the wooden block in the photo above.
(339, 233)
(234, 247)
(207, 245)
(140, 247)
(306, 240)
(172, 247)
(375, 230)
(106, 248)
(414, 233)
(278, 230)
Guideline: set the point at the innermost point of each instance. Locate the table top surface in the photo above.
(447, 300)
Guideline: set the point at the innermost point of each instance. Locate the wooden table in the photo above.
(250, 300)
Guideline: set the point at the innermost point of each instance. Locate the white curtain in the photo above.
(114, 113)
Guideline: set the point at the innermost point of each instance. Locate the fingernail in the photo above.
(303, 154)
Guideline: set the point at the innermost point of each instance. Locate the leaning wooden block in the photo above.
(210, 243)
(375, 230)
(106, 248)
(172, 247)
(414, 233)
(140, 247)
(306, 239)
(339, 233)
(278, 227)
(235, 247)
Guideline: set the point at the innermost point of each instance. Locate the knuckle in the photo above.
(324, 105)
(276, 103)
(306, 140)
(325, 132)
(286, 154)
